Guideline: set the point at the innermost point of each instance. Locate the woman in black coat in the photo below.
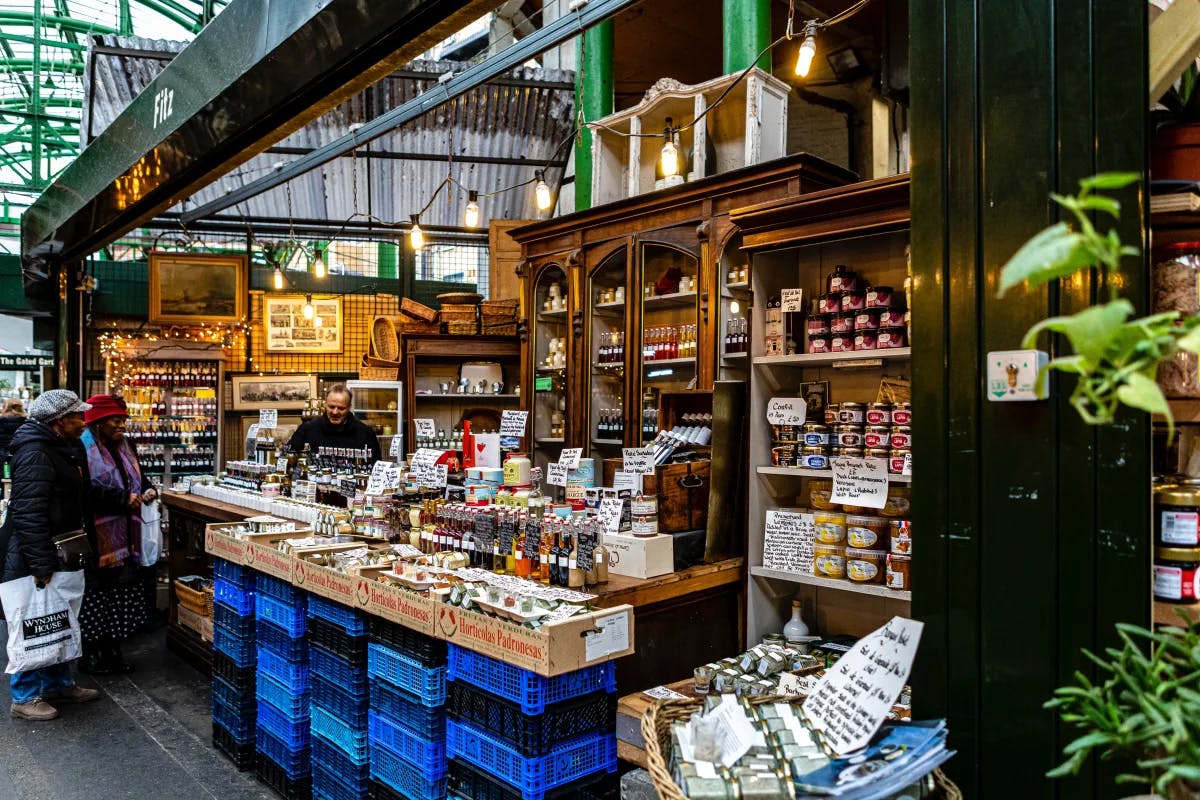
(50, 489)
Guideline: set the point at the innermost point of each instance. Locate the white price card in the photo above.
(440, 473)
(788, 538)
(627, 480)
(394, 447)
(424, 467)
(787, 411)
(639, 460)
(385, 478)
(859, 482)
(907, 469)
(663, 693)
(558, 474)
(610, 514)
(268, 418)
(570, 457)
(791, 300)
(854, 697)
(610, 636)
(512, 423)
(425, 428)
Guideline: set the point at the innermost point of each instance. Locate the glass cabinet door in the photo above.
(670, 331)
(550, 327)
(607, 302)
(733, 331)
(379, 404)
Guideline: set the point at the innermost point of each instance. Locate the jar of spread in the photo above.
(850, 414)
(831, 413)
(899, 572)
(891, 338)
(818, 324)
(815, 434)
(784, 455)
(890, 318)
(841, 323)
(902, 414)
(1176, 570)
(820, 494)
(814, 458)
(866, 320)
(878, 454)
(842, 279)
(818, 344)
(901, 437)
(1177, 515)
(896, 459)
(830, 527)
(900, 536)
(866, 532)
(865, 340)
(879, 297)
(848, 436)
(829, 303)
(784, 433)
(848, 452)
(829, 561)
(879, 414)
(841, 343)
(853, 301)
(899, 501)
(866, 566)
(877, 436)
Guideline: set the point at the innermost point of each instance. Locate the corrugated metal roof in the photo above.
(526, 115)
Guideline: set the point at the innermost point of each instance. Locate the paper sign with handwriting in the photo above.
(859, 482)
(639, 460)
(512, 423)
(570, 457)
(907, 468)
(425, 467)
(385, 478)
(787, 411)
(394, 447)
(663, 693)
(610, 514)
(425, 428)
(558, 474)
(854, 697)
(627, 480)
(268, 418)
(788, 542)
(791, 300)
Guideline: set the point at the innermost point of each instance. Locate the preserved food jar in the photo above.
(830, 527)
(866, 566)
(1177, 514)
(829, 561)
(1175, 575)
(898, 572)
(1176, 287)
(866, 532)
(820, 494)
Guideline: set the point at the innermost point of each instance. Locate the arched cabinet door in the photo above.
(549, 343)
(731, 344)
(606, 330)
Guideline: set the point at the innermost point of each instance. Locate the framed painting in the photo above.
(287, 329)
(281, 392)
(187, 289)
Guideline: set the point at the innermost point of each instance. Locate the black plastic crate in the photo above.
(429, 651)
(241, 625)
(276, 777)
(532, 735)
(333, 638)
(240, 752)
(468, 783)
(242, 679)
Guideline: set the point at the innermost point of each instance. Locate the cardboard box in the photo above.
(636, 557)
(220, 544)
(199, 623)
(393, 602)
(553, 649)
(262, 555)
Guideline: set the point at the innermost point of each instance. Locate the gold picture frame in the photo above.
(287, 330)
(195, 289)
(281, 392)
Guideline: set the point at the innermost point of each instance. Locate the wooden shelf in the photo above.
(734, 356)
(740, 286)
(550, 441)
(464, 398)
(1168, 613)
(828, 359)
(1185, 412)
(610, 308)
(669, 362)
(830, 583)
(550, 370)
(608, 441)
(562, 313)
(676, 300)
(800, 472)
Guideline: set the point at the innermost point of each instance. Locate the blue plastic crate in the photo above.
(279, 589)
(337, 759)
(234, 573)
(348, 619)
(296, 762)
(288, 616)
(238, 648)
(239, 599)
(228, 618)
(338, 670)
(239, 721)
(294, 704)
(351, 740)
(293, 648)
(531, 734)
(295, 733)
(428, 684)
(228, 694)
(350, 707)
(532, 776)
(328, 785)
(427, 754)
(295, 676)
(401, 706)
(529, 690)
(396, 773)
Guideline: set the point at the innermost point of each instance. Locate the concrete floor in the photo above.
(149, 737)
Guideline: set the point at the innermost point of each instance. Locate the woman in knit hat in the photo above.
(114, 603)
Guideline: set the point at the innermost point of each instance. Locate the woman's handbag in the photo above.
(74, 550)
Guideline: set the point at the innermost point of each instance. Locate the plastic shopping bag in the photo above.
(151, 534)
(43, 622)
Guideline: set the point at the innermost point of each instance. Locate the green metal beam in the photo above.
(126, 24)
(14, 37)
(747, 25)
(594, 99)
(26, 65)
(173, 12)
(28, 19)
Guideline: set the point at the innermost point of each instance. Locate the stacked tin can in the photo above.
(880, 431)
(851, 316)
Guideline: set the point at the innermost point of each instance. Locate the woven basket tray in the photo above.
(656, 733)
(197, 602)
(417, 311)
(413, 326)
(465, 298)
(498, 328)
(462, 328)
(498, 307)
(385, 339)
(377, 369)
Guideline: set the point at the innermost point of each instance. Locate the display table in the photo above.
(630, 708)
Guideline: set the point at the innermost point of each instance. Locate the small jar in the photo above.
(899, 572)
(1176, 287)
(850, 413)
(841, 343)
(901, 437)
(1177, 515)
(848, 436)
(814, 458)
(841, 323)
(879, 414)
(848, 452)
(877, 436)
(866, 320)
(866, 566)
(815, 434)
(820, 494)
(842, 279)
(818, 324)
(829, 561)
(830, 527)
(881, 454)
(818, 344)
(829, 303)
(831, 413)
(879, 297)
(892, 338)
(1177, 575)
(784, 455)
(866, 532)
(853, 301)
(784, 433)
(902, 414)
(865, 340)
(899, 501)
(896, 459)
(891, 318)
(900, 536)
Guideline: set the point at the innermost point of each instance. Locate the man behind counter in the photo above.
(337, 427)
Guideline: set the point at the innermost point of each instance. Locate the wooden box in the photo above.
(682, 491)
(412, 308)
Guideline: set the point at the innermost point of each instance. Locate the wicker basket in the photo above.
(498, 308)
(462, 328)
(411, 308)
(498, 328)
(198, 602)
(656, 733)
(460, 298)
(409, 326)
(377, 369)
(457, 312)
(385, 339)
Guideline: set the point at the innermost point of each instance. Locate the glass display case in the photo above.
(549, 333)
(733, 329)
(669, 344)
(607, 304)
(380, 404)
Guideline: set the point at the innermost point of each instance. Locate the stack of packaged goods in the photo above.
(407, 719)
(337, 636)
(234, 663)
(511, 733)
(283, 739)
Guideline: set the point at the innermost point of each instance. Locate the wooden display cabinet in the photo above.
(630, 244)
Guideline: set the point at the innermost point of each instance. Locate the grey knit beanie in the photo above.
(49, 406)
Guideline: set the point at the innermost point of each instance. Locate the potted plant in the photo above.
(1175, 149)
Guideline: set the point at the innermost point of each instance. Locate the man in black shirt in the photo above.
(337, 427)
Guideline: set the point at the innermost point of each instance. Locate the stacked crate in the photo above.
(511, 733)
(283, 739)
(406, 721)
(234, 663)
(337, 636)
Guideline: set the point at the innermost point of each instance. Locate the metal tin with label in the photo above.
(815, 434)
(879, 414)
(902, 414)
(848, 452)
(901, 437)
(814, 458)
(850, 413)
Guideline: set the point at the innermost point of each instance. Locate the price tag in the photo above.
(663, 693)
(639, 460)
(268, 418)
(627, 480)
(558, 474)
(570, 457)
(610, 514)
(791, 300)
(512, 423)
(425, 428)
(385, 478)
(907, 470)
(859, 482)
(425, 467)
(440, 473)
(786, 411)
(394, 447)
(508, 530)
(348, 487)
(788, 538)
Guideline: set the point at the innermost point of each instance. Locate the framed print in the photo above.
(288, 330)
(187, 289)
(282, 392)
(816, 397)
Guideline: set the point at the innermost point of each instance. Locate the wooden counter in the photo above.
(630, 709)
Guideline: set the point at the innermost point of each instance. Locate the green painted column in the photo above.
(388, 260)
(593, 98)
(747, 32)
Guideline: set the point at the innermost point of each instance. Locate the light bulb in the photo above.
(670, 159)
(308, 307)
(278, 279)
(416, 237)
(471, 218)
(319, 264)
(542, 192)
(808, 50)
(734, 307)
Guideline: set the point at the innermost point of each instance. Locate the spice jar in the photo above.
(866, 566)
(1177, 515)
(899, 572)
(1175, 575)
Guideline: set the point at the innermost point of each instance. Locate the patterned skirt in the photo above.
(112, 609)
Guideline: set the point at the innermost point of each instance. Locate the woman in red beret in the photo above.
(114, 602)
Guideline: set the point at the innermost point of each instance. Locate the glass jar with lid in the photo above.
(1176, 287)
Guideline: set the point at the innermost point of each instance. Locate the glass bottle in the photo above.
(574, 573)
(544, 549)
(600, 558)
(795, 631)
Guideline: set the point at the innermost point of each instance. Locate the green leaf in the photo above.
(1089, 331)
(1142, 392)
(1098, 202)
(1054, 253)
(1109, 180)
(1189, 341)
(1087, 742)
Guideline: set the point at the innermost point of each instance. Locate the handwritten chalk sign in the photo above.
(791, 300)
(854, 697)
(570, 457)
(385, 478)
(512, 423)
(788, 541)
(533, 538)
(268, 418)
(639, 460)
(627, 480)
(558, 474)
(907, 468)
(347, 487)
(610, 514)
(425, 429)
(787, 411)
(859, 482)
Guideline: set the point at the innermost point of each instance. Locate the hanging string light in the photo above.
(471, 217)
(278, 279)
(808, 49)
(541, 192)
(318, 263)
(416, 237)
(669, 157)
(308, 309)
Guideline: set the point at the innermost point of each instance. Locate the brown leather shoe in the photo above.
(36, 710)
(74, 694)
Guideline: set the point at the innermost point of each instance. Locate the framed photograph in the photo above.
(816, 396)
(282, 392)
(190, 289)
(287, 330)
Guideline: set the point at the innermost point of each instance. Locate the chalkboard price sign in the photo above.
(533, 538)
